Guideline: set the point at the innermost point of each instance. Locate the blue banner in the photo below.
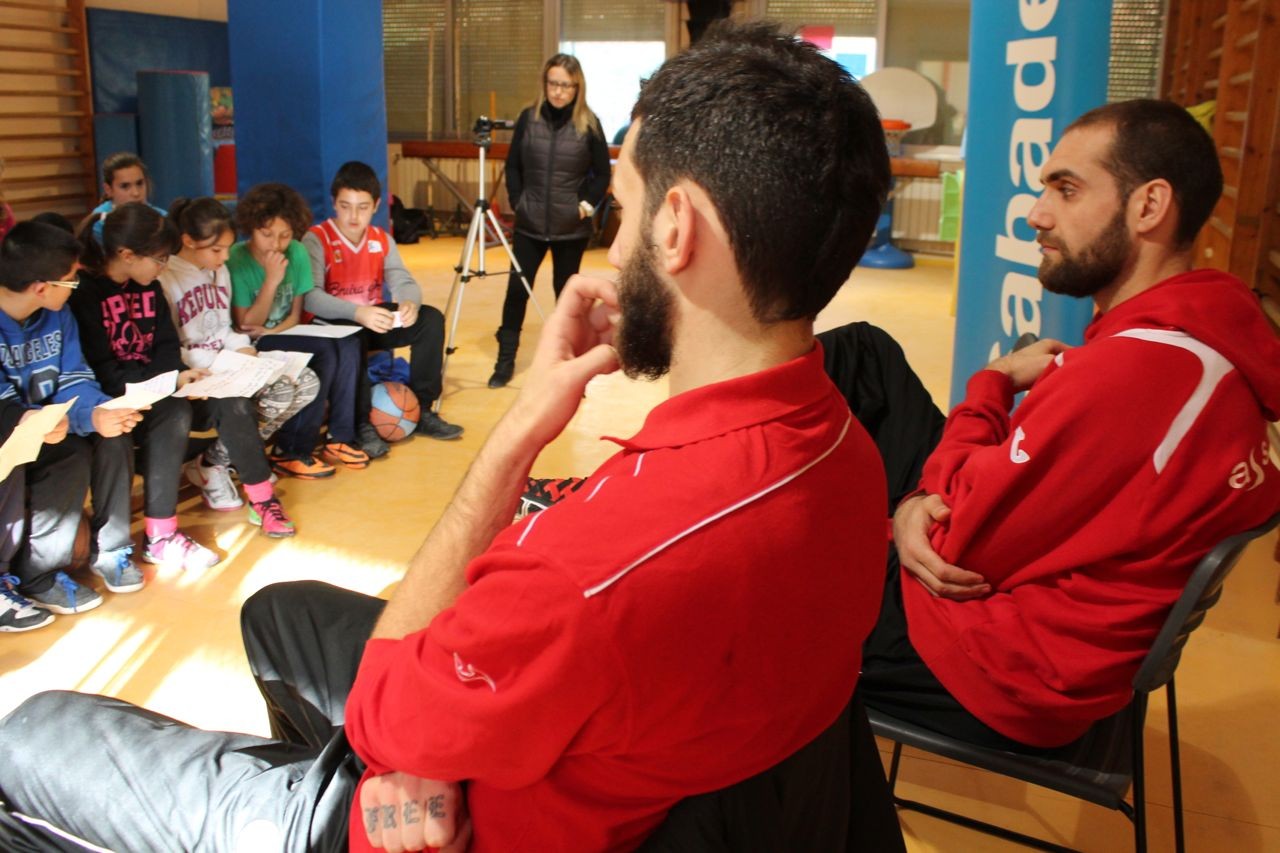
(1035, 65)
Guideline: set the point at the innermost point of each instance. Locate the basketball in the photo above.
(395, 411)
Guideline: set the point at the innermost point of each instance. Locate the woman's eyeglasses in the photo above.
(561, 87)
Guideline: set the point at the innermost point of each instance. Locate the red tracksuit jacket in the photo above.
(1130, 457)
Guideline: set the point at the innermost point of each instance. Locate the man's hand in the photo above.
(403, 812)
(1024, 366)
(408, 313)
(55, 435)
(274, 264)
(911, 525)
(109, 423)
(375, 319)
(576, 344)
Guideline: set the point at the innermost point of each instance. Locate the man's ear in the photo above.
(1154, 206)
(674, 230)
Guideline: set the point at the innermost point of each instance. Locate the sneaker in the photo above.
(303, 468)
(370, 442)
(18, 613)
(66, 596)
(269, 515)
(214, 483)
(179, 549)
(434, 426)
(542, 493)
(341, 453)
(118, 572)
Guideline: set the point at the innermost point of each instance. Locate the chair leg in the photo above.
(1139, 774)
(893, 767)
(1175, 768)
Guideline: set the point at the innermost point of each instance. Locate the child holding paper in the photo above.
(270, 274)
(43, 366)
(198, 288)
(128, 336)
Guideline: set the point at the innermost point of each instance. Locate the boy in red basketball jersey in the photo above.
(360, 278)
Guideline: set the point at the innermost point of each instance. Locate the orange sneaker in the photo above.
(306, 468)
(340, 453)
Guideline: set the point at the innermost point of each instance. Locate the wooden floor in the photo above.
(175, 646)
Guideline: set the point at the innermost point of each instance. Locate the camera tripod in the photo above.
(482, 217)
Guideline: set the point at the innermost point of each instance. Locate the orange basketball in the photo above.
(395, 411)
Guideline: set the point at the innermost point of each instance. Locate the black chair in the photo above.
(1108, 759)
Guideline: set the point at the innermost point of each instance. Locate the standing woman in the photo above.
(557, 173)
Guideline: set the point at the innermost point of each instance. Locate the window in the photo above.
(618, 42)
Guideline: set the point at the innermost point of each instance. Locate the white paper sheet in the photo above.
(24, 443)
(138, 395)
(315, 330)
(232, 374)
(289, 363)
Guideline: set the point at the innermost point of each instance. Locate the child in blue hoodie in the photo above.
(41, 363)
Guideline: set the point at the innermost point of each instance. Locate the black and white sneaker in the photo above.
(17, 613)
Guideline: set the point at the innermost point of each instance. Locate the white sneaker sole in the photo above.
(123, 588)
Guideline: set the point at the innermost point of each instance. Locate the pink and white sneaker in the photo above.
(269, 515)
(214, 483)
(180, 550)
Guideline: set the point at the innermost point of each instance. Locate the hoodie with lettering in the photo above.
(1086, 510)
(41, 364)
(126, 330)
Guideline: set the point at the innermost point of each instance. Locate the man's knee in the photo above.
(29, 734)
(277, 604)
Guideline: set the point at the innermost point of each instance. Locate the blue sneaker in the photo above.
(17, 613)
(66, 596)
(118, 572)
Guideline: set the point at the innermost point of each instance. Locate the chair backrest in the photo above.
(1202, 591)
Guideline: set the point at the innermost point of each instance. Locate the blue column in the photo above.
(307, 82)
(1038, 64)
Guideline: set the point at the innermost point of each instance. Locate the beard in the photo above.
(643, 338)
(1095, 266)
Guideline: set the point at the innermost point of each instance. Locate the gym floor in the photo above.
(175, 646)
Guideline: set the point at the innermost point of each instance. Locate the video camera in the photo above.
(485, 126)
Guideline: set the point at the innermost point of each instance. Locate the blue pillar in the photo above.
(1038, 64)
(307, 82)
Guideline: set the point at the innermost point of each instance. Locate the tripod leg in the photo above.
(461, 276)
(515, 265)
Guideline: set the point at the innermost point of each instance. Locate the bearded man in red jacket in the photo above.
(1045, 547)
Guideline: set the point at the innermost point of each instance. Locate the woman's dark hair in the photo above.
(1159, 139)
(200, 218)
(265, 202)
(354, 175)
(34, 251)
(788, 147)
(135, 226)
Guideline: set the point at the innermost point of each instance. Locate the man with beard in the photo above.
(689, 621)
(1045, 548)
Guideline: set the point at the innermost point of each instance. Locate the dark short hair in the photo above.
(354, 175)
(265, 202)
(136, 226)
(1159, 139)
(34, 251)
(788, 147)
(200, 218)
(57, 220)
